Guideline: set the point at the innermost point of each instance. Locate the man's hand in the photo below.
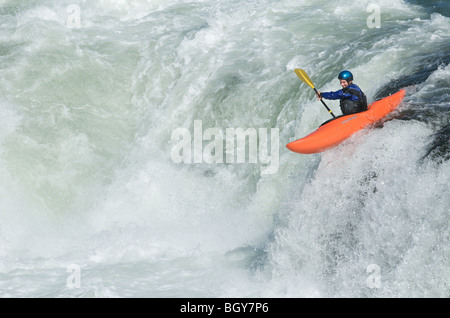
(319, 96)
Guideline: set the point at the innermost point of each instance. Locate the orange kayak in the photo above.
(335, 131)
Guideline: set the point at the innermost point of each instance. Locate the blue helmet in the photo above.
(346, 75)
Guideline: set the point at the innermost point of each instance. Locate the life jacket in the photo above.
(349, 106)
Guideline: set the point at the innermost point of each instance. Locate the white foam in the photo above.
(87, 178)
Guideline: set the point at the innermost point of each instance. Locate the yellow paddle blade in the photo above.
(304, 77)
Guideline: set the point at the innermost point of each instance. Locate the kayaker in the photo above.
(352, 98)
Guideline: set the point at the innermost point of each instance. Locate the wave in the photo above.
(90, 96)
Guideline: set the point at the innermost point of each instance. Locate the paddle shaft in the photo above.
(329, 110)
(305, 78)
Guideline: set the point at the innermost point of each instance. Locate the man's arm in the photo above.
(334, 95)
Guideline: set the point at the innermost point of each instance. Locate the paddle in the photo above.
(305, 78)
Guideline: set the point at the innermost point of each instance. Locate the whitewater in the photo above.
(93, 204)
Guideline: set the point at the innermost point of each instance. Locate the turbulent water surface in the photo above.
(93, 203)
